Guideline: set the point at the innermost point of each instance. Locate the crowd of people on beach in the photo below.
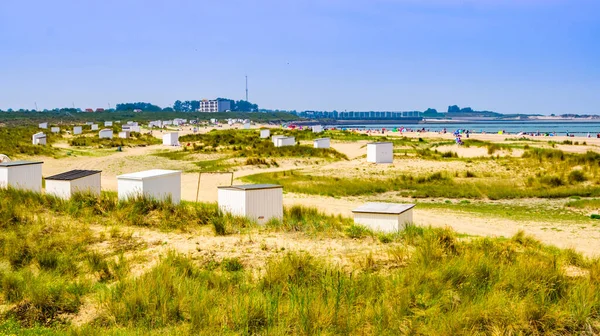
(458, 133)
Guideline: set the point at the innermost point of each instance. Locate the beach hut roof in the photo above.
(73, 175)
(378, 143)
(19, 163)
(252, 186)
(148, 174)
(384, 208)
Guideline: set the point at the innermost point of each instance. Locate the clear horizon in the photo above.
(508, 56)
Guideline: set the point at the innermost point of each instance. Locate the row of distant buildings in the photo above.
(365, 115)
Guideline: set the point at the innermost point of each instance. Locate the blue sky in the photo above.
(510, 56)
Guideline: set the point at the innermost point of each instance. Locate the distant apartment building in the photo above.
(218, 105)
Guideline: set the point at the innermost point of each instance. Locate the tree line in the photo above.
(186, 106)
(178, 106)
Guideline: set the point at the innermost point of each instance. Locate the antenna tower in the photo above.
(246, 87)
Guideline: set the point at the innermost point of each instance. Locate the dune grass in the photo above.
(16, 141)
(136, 140)
(424, 280)
(439, 184)
(551, 214)
(437, 285)
(247, 144)
(587, 204)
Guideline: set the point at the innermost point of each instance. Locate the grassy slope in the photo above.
(244, 144)
(539, 173)
(431, 282)
(16, 141)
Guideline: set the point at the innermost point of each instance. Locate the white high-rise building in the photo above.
(218, 105)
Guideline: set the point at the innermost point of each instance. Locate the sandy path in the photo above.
(583, 239)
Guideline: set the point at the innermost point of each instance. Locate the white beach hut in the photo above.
(384, 217)
(94, 127)
(171, 139)
(158, 184)
(39, 138)
(285, 141)
(77, 130)
(25, 175)
(108, 124)
(247, 125)
(131, 128)
(380, 152)
(124, 134)
(265, 133)
(105, 134)
(259, 202)
(317, 129)
(55, 129)
(66, 184)
(43, 125)
(275, 137)
(322, 143)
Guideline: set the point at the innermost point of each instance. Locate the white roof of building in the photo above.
(148, 174)
(384, 208)
(321, 139)
(379, 143)
(251, 187)
(19, 163)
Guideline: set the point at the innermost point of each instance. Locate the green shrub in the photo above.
(232, 265)
(357, 231)
(256, 161)
(136, 140)
(449, 154)
(577, 176)
(386, 238)
(552, 181)
(219, 224)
